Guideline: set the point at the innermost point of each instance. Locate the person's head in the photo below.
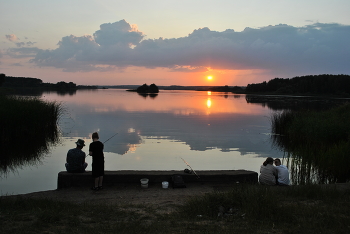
(269, 160)
(80, 143)
(95, 136)
(277, 162)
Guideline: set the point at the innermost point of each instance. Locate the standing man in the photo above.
(98, 161)
(283, 173)
(75, 161)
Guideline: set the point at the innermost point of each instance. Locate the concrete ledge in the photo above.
(66, 179)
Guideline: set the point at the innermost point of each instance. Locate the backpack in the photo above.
(178, 181)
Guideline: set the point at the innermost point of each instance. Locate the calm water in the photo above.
(211, 131)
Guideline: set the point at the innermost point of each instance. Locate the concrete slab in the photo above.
(66, 179)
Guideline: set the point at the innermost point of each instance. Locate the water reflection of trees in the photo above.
(151, 95)
(29, 128)
(41, 92)
(277, 103)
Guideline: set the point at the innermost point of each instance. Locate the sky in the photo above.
(167, 42)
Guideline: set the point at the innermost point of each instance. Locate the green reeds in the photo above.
(318, 142)
(28, 128)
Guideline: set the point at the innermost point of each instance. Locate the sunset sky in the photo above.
(167, 42)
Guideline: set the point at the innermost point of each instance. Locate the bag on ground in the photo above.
(178, 181)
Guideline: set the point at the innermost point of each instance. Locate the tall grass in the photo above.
(28, 128)
(318, 142)
(261, 209)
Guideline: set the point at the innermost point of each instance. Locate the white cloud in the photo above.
(11, 37)
(315, 48)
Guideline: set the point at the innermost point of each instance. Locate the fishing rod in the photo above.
(191, 168)
(109, 138)
(106, 141)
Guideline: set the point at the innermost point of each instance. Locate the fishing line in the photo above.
(105, 142)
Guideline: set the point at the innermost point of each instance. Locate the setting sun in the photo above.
(209, 77)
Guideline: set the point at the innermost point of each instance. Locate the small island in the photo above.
(145, 89)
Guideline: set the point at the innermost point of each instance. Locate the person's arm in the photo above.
(90, 149)
(83, 159)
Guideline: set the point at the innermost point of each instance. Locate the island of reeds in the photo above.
(316, 142)
(29, 126)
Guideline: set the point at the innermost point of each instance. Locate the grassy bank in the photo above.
(317, 142)
(28, 127)
(246, 209)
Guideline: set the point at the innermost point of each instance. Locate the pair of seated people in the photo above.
(273, 175)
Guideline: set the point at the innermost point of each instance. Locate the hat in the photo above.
(80, 142)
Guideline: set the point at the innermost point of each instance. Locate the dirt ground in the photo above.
(162, 198)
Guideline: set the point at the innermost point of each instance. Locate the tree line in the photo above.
(28, 82)
(310, 84)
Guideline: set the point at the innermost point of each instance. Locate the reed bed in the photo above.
(29, 126)
(317, 142)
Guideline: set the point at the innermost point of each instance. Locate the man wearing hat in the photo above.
(76, 158)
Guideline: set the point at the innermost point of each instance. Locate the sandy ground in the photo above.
(164, 199)
(154, 195)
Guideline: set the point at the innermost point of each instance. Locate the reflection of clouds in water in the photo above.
(201, 120)
(125, 142)
(227, 132)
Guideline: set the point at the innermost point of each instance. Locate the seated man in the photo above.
(76, 158)
(283, 173)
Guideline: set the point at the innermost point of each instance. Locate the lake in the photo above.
(210, 130)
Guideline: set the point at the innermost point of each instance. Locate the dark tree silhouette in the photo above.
(153, 89)
(2, 78)
(148, 89)
(312, 84)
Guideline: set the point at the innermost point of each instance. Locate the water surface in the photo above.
(211, 131)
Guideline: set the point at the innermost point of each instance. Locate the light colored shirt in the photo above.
(267, 175)
(283, 174)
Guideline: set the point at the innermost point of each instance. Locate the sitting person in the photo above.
(76, 158)
(283, 173)
(268, 173)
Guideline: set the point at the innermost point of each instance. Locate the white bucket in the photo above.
(144, 183)
(165, 184)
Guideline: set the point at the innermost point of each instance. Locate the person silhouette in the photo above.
(283, 173)
(268, 173)
(98, 161)
(75, 160)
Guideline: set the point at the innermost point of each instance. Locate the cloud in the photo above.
(29, 43)
(16, 65)
(20, 44)
(315, 48)
(25, 52)
(117, 33)
(11, 37)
